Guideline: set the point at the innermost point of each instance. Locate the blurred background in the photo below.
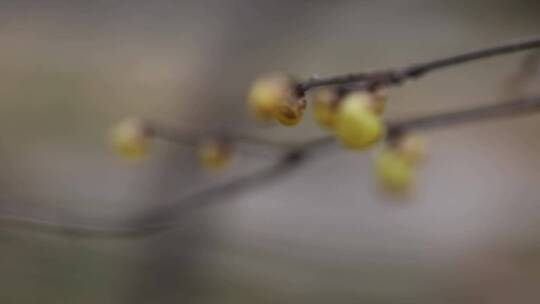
(71, 69)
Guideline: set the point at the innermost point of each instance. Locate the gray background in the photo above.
(69, 70)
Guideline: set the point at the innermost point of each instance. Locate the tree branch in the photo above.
(524, 106)
(241, 142)
(398, 75)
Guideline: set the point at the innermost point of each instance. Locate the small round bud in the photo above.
(325, 107)
(412, 147)
(268, 93)
(213, 154)
(357, 125)
(393, 171)
(130, 139)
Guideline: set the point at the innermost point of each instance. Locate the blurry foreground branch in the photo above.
(291, 159)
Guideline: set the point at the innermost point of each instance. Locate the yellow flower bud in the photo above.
(213, 155)
(394, 172)
(130, 139)
(325, 107)
(412, 147)
(357, 125)
(268, 93)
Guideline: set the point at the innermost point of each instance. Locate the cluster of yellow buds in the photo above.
(395, 165)
(355, 117)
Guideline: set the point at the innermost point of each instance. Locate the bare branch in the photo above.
(524, 106)
(398, 75)
(242, 143)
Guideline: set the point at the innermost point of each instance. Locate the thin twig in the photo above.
(398, 75)
(524, 106)
(61, 228)
(164, 220)
(168, 218)
(193, 138)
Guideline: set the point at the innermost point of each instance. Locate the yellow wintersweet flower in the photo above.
(357, 125)
(213, 155)
(325, 107)
(130, 139)
(393, 171)
(275, 97)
